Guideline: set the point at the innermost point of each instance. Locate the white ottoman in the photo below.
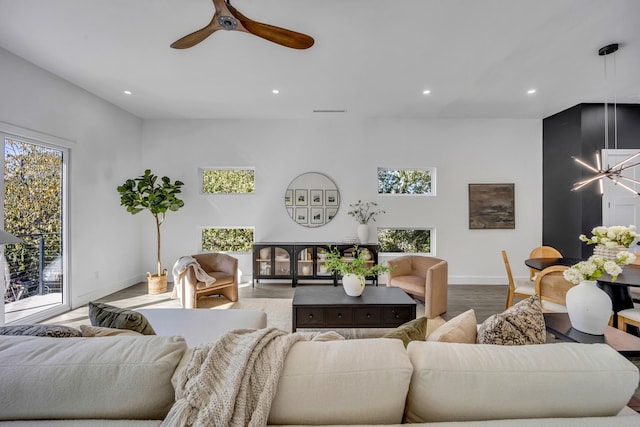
(199, 325)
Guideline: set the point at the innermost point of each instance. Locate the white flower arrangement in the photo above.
(611, 237)
(595, 266)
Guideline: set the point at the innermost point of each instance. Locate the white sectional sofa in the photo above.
(127, 381)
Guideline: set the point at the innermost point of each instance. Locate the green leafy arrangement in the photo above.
(360, 264)
(146, 193)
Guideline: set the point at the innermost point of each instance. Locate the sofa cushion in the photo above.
(53, 331)
(522, 323)
(459, 382)
(112, 377)
(460, 329)
(343, 382)
(108, 316)
(414, 330)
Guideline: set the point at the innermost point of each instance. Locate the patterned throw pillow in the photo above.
(460, 329)
(522, 323)
(108, 316)
(54, 331)
(414, 330)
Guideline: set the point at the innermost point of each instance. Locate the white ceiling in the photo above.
(371, 57)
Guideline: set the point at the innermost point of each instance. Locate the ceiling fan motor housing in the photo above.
(228, 22)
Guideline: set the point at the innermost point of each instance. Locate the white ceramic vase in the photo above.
(363, 233)
(589, 308)
(353, 285)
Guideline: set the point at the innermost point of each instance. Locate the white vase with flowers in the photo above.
(588, 306)
(363, 213)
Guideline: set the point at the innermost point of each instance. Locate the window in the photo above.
(228, 181)
(216, 239)
(406, 181)
(33, 198)
(405, 240)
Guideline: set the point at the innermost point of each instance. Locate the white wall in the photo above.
(104, 144)
(110, 249)
(349, 152)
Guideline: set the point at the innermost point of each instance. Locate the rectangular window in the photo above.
(405, 240)
(217, 239)
(33, 197)
(228, 181)
(406, 181)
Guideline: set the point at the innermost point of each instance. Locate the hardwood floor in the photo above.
(484, 299)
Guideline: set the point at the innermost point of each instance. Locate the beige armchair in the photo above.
(221, 266)
(423, 277)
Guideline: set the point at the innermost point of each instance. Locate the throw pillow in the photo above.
(55, 331)
(97, 331)
(460, 329)
(414, 330)
(108, 316)
(522, 323)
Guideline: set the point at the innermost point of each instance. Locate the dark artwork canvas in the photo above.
(492, 206)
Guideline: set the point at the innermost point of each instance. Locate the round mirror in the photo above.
(312, 199)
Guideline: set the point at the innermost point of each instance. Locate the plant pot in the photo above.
(157, 283)
(589, 308)
(353, 285)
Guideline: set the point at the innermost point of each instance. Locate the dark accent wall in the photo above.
(578, 131)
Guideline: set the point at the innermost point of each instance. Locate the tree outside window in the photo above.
(406, 181)
(228, 181)
(404, 240)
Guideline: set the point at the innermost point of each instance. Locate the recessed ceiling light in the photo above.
(275, 91)
(531, 91)
(426, 92)
(127, 92)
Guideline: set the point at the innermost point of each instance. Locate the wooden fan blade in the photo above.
(194, 38)
(281, 36)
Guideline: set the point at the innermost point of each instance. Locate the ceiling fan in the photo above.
(228, 18)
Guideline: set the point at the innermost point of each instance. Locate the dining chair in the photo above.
(517, 288)
(542, 252)
(551, 287)
(630, 316)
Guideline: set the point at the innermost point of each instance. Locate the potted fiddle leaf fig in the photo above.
(146, 192)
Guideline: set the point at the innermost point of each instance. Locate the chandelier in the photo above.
(614, 173)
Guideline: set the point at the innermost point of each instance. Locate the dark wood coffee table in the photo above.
(560, 326)
(330, 307)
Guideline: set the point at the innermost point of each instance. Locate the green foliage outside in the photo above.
(404, 181)
(404, 240)
(32, 204)
(227, 239)
(228, 181)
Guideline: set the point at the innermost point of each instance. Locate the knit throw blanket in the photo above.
(185, 262)
(232, 382)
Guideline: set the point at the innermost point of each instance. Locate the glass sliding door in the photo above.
(33, 193)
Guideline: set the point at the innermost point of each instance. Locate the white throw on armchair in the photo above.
(221, 267)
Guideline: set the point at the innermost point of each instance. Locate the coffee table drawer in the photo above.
(397, 315)
(367, 316)
(309, 317)
(339, 316)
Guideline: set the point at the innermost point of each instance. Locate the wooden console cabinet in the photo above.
(301, 261)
